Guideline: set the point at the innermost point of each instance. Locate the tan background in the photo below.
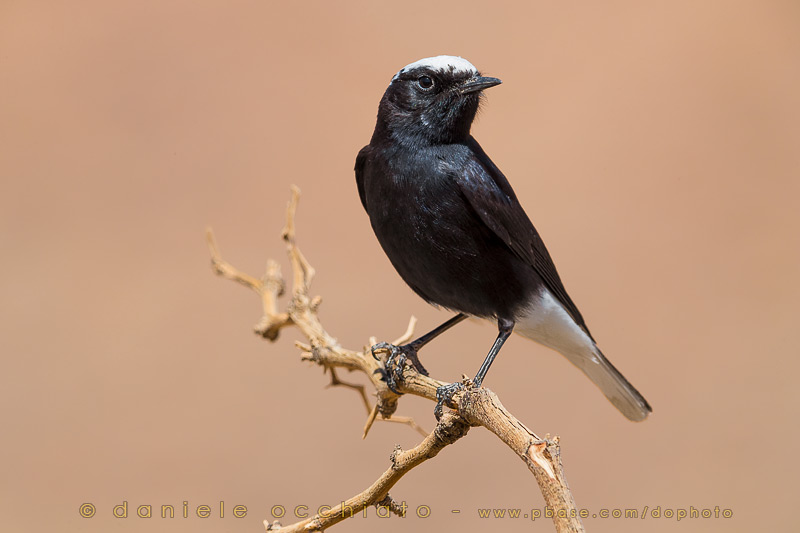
(655, 146)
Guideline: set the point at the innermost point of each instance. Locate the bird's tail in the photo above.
(613, 384)
(591, 361)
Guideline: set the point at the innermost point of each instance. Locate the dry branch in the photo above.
(449, 429)
(473, 407)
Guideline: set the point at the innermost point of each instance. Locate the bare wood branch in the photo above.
(473, 407)
(407, 420)
(336, 382)
(372, 410)
(449, 429)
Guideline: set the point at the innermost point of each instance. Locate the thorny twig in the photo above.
(473, 407)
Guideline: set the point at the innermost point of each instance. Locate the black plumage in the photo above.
(454, 230)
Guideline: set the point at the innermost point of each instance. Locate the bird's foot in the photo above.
(444, 394)
(395, 363)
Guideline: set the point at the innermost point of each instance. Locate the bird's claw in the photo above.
(395, 363)
(444, 394)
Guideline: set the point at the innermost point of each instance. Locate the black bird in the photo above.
(454, 230)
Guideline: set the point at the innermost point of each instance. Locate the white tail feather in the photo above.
(548, 323)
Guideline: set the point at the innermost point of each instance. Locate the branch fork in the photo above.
(472, 407)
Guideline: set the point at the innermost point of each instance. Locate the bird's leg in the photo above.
(505, 328)
(399, 354)
(415, 345)
(444, 394)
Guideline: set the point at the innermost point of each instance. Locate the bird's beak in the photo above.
(478, 83)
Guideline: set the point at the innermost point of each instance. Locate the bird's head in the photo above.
(432, 101)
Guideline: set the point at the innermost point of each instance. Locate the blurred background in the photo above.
(654, 145)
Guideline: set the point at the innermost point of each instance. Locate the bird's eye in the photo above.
(425, 82)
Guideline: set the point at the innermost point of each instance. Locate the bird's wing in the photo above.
(490, 194)
(361, 159)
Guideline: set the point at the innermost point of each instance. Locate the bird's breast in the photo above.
(438, 244)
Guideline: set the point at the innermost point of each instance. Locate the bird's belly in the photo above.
(451, 259)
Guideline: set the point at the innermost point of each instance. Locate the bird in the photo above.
(456, 233)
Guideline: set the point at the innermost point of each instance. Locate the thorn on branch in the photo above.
(370, 420)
